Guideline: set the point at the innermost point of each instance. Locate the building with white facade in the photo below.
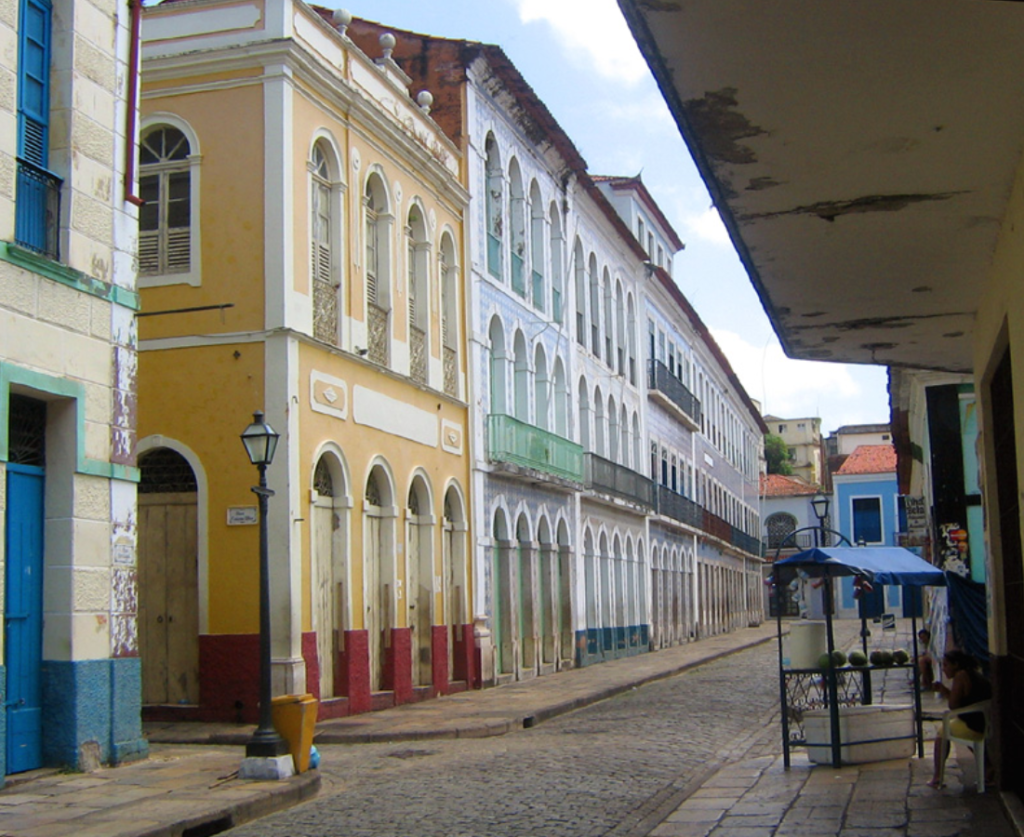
(68, 222)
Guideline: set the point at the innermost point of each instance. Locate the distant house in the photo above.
(866, 510)
(803, 439)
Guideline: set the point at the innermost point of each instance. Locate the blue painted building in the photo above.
(866, 510)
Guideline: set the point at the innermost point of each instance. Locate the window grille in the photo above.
(164, 471)
(322, 481)
(26, 435)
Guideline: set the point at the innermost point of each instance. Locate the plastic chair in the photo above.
(974, 740)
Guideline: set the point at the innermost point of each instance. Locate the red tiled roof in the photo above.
(777, 485)
(870, 459)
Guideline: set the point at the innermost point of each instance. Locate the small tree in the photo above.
(776, 453)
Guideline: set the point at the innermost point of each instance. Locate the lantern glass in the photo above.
(820, 504)
(260, 440)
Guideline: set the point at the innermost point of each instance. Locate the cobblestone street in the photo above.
(618, 767)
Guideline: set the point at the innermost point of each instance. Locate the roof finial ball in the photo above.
(387, 43)
(425, 99)
(342, 18)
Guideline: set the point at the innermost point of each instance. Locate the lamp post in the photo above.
(260, 441)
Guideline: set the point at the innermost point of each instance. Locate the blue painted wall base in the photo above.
(92, 701)
(598, 645)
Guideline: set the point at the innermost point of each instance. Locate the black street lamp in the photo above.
(260, 441)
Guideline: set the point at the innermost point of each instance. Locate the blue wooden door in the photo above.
(23, 616)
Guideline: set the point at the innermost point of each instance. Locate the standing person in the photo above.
(925, 663)
(968, 686)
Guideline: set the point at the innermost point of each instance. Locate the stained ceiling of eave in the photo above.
(863, 152)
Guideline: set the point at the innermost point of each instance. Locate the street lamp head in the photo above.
(260, 440)
(820, 504)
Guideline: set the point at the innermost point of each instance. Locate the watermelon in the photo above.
(858, 658)
(876, 658)
(823, 660)
(838, 658)
(900, 656)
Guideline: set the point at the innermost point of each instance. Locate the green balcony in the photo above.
(515, 441)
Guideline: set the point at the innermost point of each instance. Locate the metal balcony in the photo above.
(609, 477)
(666, 387)
(679, 507)
(37, 209)
(515, 441)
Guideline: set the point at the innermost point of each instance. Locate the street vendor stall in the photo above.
(840, 695)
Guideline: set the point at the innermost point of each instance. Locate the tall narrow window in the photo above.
(378, 282)
(325, 292)
(449, 316)
(165, 220)
(557, 292)
(581, 293)
(37, 202)
(537, 247)
(418, 294)
(595, 307)
(517, 227)
(494, 214)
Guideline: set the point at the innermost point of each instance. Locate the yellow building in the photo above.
(300, 253)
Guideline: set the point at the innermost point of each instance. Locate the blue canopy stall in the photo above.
(878, 565)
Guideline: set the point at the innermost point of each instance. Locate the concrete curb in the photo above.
(268, 799)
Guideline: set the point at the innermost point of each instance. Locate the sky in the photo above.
(581, 60)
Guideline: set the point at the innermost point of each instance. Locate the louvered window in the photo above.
(372, 262)
(37, 199)
(325, 294)
(165, 186)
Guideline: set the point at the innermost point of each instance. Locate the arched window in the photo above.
(418, 296)
(537, 247)
(555, 221)
(613, 430)
(599, 422)
(521, 383)
(168, 232)
(494, 197)
(517, 227)
(499, 365)
(620, 330)
(595, 307)
(578, 269)
(779, 526)
(584, 412)
(541, 388)
(561, 401)
(631, 339)
(609, 331)
(324, 261)
(449, 315)
(378, 270)
(624, 433)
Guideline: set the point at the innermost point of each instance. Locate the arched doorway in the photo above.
(168, 578)
(501, 596)
(420, 565)
(330, 576)
(527, 622)
(378, 568)
(454, 570)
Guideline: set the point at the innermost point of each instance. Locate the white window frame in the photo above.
(193, 276)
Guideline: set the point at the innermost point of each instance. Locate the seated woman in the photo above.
(968, 686)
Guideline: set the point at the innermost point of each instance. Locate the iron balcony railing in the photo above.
(604, 475)
(661, 380)
(686, 511)
(37, 209)
(801, 540)
(515, 441)
(679, 507)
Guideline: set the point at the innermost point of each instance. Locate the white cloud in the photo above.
(838, 393)
(707, 226)
(594, 29)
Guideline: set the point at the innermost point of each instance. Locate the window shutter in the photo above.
(34, 82)
(371, 257)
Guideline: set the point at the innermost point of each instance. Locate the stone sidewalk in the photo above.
(189, 785)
